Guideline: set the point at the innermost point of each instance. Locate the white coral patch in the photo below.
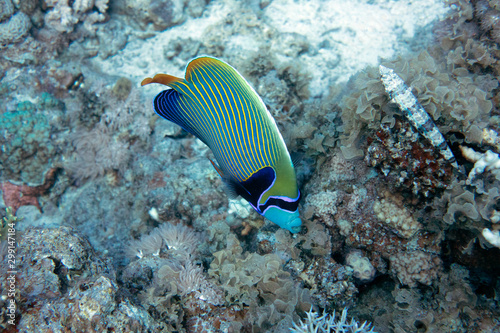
(492, 236)
(239, 207)
(399, 219)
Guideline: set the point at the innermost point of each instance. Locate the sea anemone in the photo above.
(179, 239)
(190, 278)
(148, 245)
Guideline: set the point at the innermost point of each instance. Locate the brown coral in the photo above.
(408, 160)
(16, 196)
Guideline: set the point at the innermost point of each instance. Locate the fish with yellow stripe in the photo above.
(218, 106)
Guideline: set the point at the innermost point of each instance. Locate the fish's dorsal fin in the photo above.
(195, 64)
(164, 79)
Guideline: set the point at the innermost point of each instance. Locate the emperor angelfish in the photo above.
(218, 106)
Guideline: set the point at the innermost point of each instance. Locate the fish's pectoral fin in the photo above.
(230, 186)
(217, 168)
(164, 79)
(296, 158)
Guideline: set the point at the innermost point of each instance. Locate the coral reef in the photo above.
(329, 323)
(230, 288)
(459, 307)
(64, 284)
(15, 196)
(397, 218)
(246, 277)
(329, 282)
(447, 93)
(15, 28)
(401, 95)
(27, 139)
(6, 9)
(407, 162)
(64, 15)
(161, 14)
(415, 266)
(363, 269)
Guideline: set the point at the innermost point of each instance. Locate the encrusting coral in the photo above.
(363, 269)
(14, 29)
(27, 138)
(6, 9)
(396, 218)
(16, 196)
(416, 266)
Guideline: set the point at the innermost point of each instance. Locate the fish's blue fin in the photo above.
(167, 105)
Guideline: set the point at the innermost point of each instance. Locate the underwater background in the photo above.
(115, 220)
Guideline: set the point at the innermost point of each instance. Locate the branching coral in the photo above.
(492, 236)
(326, 323)
(488, 161)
